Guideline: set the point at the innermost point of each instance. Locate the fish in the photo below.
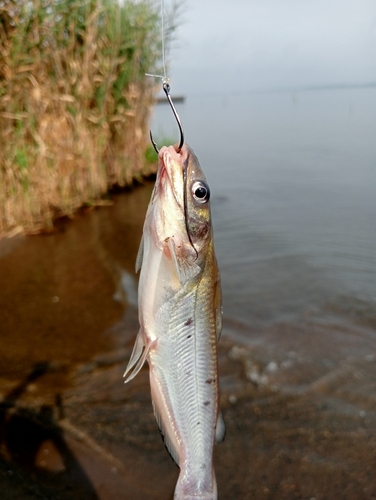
(180, 315)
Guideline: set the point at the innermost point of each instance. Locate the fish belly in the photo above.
(184, 387)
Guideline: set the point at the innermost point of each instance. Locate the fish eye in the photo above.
(201, 192)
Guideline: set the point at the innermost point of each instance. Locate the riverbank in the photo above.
(74, 105)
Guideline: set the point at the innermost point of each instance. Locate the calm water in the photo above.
(293, 180)
(293, 177)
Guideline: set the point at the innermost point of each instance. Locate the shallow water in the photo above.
(293, 179)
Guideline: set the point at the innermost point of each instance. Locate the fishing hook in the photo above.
(166, 88)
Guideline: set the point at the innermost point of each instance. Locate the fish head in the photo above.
(183, 194)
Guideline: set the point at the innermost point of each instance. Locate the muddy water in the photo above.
(296, 249)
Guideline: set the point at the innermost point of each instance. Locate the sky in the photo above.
(251, 45)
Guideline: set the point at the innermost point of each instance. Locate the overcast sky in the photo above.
(239, 45)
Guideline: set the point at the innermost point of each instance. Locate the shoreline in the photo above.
(101, 439)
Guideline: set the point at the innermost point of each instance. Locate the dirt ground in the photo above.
(98, 439)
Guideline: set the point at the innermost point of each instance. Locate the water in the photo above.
(293, 177)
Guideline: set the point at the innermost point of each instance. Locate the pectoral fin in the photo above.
(140, 255)
(185, 268)
(140, 351)
(220, 430)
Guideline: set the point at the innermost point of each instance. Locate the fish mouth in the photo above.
(177, 179)
(169, 160)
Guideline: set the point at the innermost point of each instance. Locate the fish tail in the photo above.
(194, 490)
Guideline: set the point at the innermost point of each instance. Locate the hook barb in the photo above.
(166, 88)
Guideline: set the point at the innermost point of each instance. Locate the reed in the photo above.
(74, 103)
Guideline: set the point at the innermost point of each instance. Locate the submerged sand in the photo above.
(294, 431)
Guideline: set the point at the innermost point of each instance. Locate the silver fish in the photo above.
(180, 317)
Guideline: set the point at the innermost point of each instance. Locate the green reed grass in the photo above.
(74, 102)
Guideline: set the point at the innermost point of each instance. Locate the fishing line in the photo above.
(165, 79)
(166, 85)
(163, 40)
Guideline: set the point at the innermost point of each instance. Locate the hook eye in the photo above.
(166, 88)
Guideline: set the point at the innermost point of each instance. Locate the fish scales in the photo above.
(180, 320)
(184, 376)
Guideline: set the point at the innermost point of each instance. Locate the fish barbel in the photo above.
(180, 317)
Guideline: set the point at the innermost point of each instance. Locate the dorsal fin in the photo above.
(220, 429)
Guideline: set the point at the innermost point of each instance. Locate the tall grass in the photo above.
(74, 102)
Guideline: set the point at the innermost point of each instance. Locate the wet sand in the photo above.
(286, 438)
(298, 399)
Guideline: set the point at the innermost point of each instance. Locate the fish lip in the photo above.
(179, 157)
(165, 172)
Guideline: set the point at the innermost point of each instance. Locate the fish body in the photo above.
(180, 320)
